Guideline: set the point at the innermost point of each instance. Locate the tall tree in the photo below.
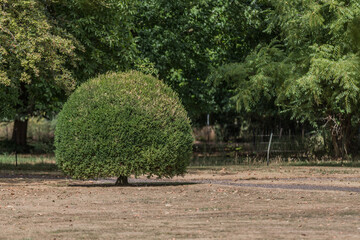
(252, 86)
(48, 47)
(234, 93)
(186, 39)
(313, 71)
(324, 88)
(34, 55)
(103, 30)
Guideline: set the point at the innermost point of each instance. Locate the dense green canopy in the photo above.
(309, 70)
(48, 47)
(267, 59)
(120, 124)
(187, 39)
(35, 56)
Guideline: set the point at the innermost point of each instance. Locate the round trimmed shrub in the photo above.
(120, 124)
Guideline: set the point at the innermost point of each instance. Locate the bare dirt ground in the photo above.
(211, 203)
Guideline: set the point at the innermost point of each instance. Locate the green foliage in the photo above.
(311, 68)
(186, 39)
(28, 163)
(48, 47)
(253, 86)
(145, 66)
(103, 33)
(120, 124)
(255, 81)
(324, 88)
(34, 55)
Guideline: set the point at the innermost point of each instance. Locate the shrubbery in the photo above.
(120, 124)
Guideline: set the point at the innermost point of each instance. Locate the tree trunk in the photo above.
(122, 181)
(20, 132)
(348, 136)
(343, 139)
(337, 151)
(20, 126)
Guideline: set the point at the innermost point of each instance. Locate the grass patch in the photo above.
(29, 167)
(28, 162)
(220, 162)
(46, 162)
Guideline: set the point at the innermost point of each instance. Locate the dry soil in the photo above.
(210, 203)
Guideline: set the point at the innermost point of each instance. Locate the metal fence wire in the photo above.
(238, 149)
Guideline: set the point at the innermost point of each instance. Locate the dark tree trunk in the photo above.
(122, 181)
(20, 126)
(336, 147)
(343, 139)
(20, 132)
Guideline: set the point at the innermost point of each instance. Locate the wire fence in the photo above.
(241, 146)
(249, 148)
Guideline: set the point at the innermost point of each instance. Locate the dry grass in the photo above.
(40, 208)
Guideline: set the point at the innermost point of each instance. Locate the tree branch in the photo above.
(5, 30)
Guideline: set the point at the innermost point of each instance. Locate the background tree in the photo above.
(48, 47)
(34, 56)
(312, 72)
(103, 32)
(251, 87)
(186, 39)
(324, 86)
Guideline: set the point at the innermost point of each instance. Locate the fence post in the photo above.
(303, 133)
(16, 147)
(289, 133)
(268, 151)
(254, 139)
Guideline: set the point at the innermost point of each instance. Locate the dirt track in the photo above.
(259, 203)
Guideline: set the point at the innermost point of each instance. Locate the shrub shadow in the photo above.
(134, 184)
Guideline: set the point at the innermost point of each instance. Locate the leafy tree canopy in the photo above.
(312, 72)
(324, 87)
(103, 31)
(34, 55)
(186, 39)
(49, 46)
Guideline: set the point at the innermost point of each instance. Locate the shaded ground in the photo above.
(209, 203)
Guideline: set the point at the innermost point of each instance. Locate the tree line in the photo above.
(254, 60)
